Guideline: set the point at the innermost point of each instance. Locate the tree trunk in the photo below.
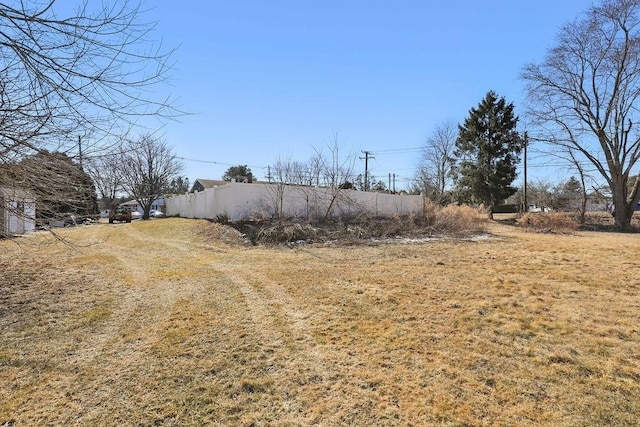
(621, 214)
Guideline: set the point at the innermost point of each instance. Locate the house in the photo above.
(157, 205)
(205, 184)
(17, 212)
(571, 202)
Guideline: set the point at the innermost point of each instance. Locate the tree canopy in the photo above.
(239, 173)
(59, 184)
(487, 149)
(148, 165)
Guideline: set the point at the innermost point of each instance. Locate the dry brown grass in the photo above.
(460, 220)
(177, 322)
(552, 222)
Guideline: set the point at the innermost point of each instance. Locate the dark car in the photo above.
(119, 213)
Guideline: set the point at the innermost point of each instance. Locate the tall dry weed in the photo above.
(549, 222)
(459, 220)
(430, 212)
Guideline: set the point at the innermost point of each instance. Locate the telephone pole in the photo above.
(80, 149)
(526, 142)
(367, 156)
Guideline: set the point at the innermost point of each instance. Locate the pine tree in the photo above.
(488, 149)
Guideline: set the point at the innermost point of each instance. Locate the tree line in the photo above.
(95, 72)
(583, 100)
(142, 169)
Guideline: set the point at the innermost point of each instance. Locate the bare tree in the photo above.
(582, 173)
(147, 167)
(282, 174)
(314, 168)
(586, 94)
(544, 194)
(106, 173)
(436, 164)
(89, 71)
(335, 171)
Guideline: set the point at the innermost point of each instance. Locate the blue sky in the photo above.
(276, 79)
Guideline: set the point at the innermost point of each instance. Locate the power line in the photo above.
(204, 161)
(213, 162)
(398, 150)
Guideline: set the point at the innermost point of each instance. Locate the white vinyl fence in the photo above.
(237, 200)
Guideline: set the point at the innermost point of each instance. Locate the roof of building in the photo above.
(207, 183)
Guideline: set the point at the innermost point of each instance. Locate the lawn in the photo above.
(178, 322)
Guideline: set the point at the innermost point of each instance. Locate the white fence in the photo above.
(242, 201)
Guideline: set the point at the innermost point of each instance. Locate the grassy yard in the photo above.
(177, 322)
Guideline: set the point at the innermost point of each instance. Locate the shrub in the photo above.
(552, 222)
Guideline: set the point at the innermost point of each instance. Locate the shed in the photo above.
(17, 212)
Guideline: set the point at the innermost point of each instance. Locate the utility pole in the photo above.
(80, 149)
(526, 142)
(367, 156)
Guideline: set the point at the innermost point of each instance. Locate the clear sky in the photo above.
(276, 79)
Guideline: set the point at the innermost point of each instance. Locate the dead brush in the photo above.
(396, 225)
(459, 221)
(549, 222)
(448, 221)
(430, 209)
(287, 231)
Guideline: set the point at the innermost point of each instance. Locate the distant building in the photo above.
(157, 205)
(205, 184)
(17, 212)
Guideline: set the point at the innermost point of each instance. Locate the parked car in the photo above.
(136, 215)
(155, 213)
(119, 213)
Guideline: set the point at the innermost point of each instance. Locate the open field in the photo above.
(176, 322)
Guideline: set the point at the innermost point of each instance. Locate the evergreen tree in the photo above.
(178, 185)
(239, 173)
(487, 149)
(572, 186)
(59, 183)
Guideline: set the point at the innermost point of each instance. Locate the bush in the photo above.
(554, 222)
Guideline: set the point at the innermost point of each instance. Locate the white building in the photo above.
(17, 212)
(157, 205)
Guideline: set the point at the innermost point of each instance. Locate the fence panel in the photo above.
(241, 200)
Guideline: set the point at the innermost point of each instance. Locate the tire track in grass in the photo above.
(283, 325)
(123, 350)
